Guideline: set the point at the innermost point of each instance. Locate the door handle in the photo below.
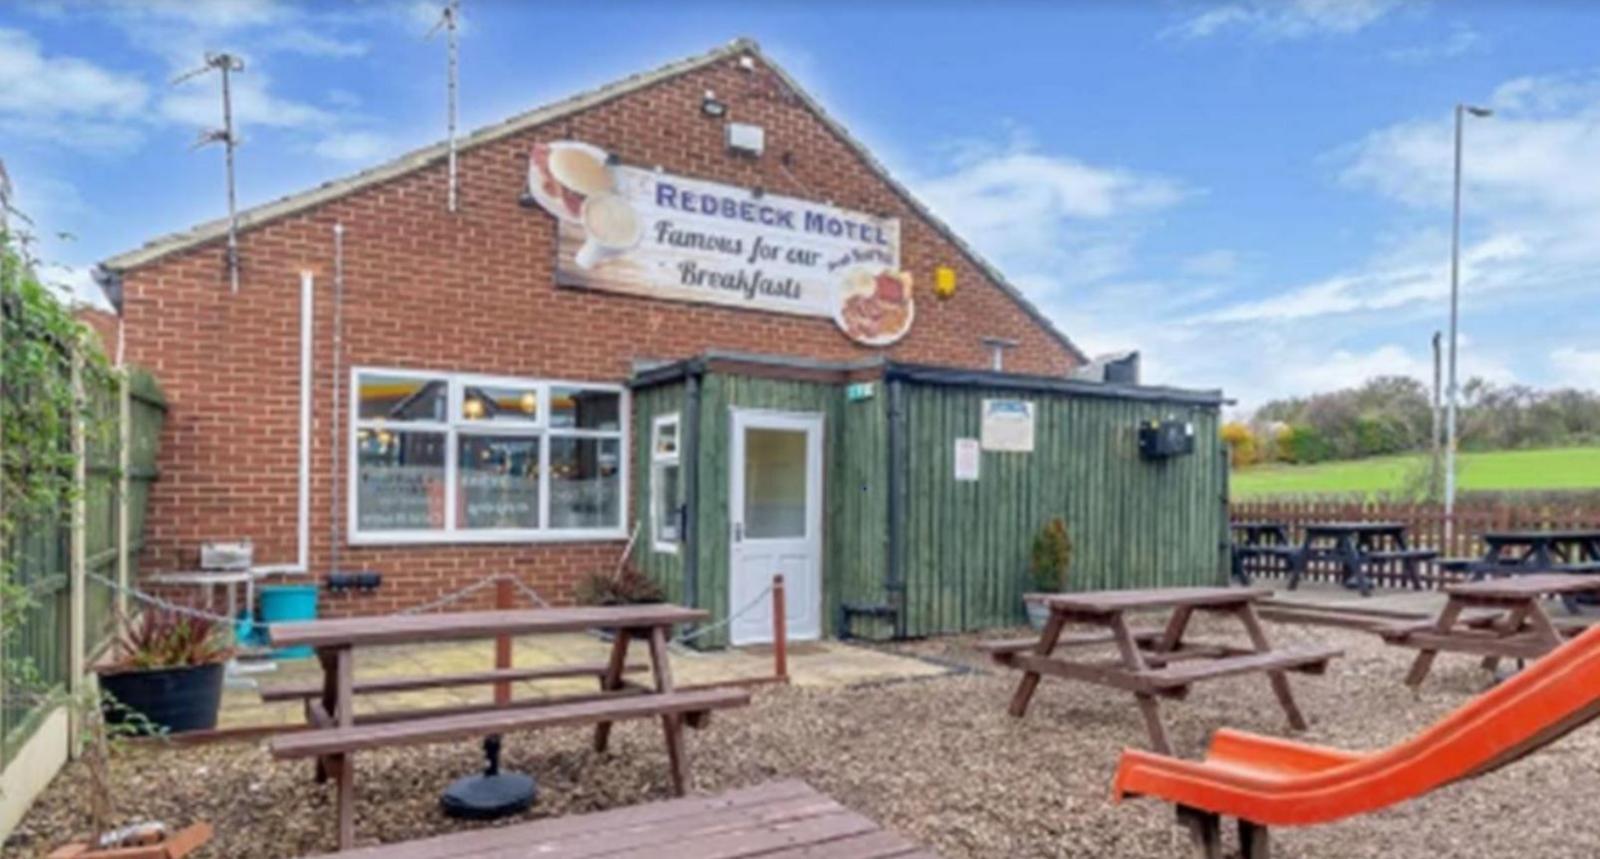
(738, 532)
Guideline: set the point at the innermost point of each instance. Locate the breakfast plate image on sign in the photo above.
(563, 174)
(875, 305)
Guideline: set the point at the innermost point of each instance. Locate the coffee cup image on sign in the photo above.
(612, 226)
(561, 175)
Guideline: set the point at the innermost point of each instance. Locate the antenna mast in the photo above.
(449, 21)
(226, 64)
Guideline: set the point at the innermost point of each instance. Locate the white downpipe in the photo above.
(303, 513)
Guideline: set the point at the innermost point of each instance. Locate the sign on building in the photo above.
(1008, 425)
(647, 233)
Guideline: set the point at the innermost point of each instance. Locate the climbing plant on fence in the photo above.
(52, 377)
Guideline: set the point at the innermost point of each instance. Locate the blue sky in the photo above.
(1256, 194)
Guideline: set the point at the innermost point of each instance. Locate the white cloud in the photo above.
(1461, 40)
(354, 146)
(1015, 203)
(1285, 19)
(1214, 263)
(197, 102)
(1576, 367)
(64, 99)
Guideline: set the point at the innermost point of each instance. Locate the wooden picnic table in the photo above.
(1357, 547)
(772, 820)
(1157, 662)
(1514, 553)
(336, 732)
(1259, 539)
(1495, 619)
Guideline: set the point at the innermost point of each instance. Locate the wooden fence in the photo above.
(73, 615)
(1424, 523)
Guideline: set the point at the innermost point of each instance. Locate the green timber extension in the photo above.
(907, 547)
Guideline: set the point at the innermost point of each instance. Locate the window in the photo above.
(440, 458)
(666, 508)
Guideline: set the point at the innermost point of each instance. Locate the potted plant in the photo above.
(169, 669)
(1047, 566)
(626, 586)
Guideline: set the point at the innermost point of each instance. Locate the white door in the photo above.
(775, 511)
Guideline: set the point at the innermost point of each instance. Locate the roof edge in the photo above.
(419, 158)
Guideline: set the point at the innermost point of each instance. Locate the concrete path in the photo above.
(823, 664)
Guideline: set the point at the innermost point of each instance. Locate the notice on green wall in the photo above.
(1008, 425)
(969, 458)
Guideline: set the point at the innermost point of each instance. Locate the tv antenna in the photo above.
(450, 22)
(226, 64)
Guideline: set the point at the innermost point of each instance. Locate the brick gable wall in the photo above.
(474, 291)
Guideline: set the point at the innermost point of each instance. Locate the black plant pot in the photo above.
(176, 699)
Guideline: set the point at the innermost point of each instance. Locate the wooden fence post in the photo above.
(124, 483)
(502, 643)
(76, 587)
(780, 631)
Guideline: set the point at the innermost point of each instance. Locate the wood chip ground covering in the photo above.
(938, 760)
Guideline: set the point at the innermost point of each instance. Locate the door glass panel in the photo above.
(774, 483)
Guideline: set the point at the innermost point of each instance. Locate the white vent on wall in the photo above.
(746, 139)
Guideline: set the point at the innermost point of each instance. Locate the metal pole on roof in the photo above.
(449, 21)
(1452, 389)
(226, 64)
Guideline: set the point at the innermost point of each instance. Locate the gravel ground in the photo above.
(937, 759)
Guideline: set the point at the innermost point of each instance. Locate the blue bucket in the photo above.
(287, 603)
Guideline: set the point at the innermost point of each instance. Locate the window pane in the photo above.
(585, 483)
(485, 403)
(576, 408)
(402, 398)
(498, 481)
(666, 443)
(400, 477)
(774, 483)
(666, 503)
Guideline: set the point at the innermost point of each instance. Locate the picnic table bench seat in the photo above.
(1403, 555)
(456, 726)
(380, 685)
(1306, 660)
(1000, 648)
(777, 820)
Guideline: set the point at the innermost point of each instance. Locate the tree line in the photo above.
(1394, 414)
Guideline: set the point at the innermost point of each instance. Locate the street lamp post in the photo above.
(1455, 302)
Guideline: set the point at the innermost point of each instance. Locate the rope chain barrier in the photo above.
(449, 599)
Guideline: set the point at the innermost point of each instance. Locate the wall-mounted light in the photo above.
(944, 281)
(472, 408)
(711, 107)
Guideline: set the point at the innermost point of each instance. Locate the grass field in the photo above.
(1557, 468)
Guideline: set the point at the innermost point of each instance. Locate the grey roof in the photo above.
(929, 374)
(438, 152)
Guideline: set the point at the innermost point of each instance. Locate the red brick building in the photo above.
(369, 292)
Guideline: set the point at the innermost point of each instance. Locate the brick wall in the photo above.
(474, 291)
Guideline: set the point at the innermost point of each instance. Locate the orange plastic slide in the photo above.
(1271, 782)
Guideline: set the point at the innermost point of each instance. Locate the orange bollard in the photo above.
(780, 631)
(502, 644)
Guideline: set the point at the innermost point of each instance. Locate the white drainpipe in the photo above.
(303, 514)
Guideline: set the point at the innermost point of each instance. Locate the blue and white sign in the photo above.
(653, 234)
(1007, 426)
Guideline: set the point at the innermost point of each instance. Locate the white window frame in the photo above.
(456, 426)
(658, 463)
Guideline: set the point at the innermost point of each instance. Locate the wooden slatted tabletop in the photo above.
(409, 629)
(1149, 599)
(785, 818)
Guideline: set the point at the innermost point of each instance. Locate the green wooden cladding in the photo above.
(1134, 522)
